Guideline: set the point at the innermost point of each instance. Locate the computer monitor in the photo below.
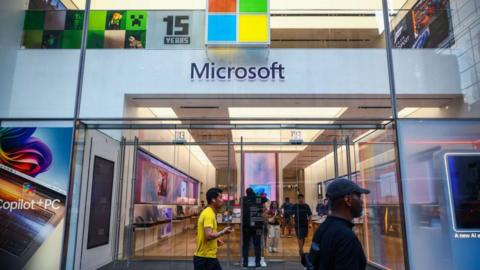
(463, 178)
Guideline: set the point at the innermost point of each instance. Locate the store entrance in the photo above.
(163, 169)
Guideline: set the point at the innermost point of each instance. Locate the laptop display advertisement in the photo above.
(34, 177)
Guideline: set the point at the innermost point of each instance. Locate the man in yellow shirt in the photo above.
(205, 257)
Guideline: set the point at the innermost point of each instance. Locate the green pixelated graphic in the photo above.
(116, 20)
(32, 39)
(253, 6)
(52, 39)
(136, 20)
(72, 39)
(74, 20)
(96, 39)
(135, 39)
(34, 20)
(97, 20)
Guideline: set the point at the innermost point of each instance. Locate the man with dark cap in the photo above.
(335, 245)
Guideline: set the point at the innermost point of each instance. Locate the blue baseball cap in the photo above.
(341, 187)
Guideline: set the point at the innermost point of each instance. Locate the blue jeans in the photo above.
(251, 233)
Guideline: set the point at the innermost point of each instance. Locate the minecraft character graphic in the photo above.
(136, 20)
(114, 23)
(134, 43)
(51, 39)
(74, 20)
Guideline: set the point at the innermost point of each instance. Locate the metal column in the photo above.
(335, 157)
(129, 248)
(349, 162)
(118, 212)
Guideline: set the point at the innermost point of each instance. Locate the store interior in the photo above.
(173, 149)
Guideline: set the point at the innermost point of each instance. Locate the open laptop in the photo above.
(23, 230)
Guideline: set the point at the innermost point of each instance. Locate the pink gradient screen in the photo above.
(260, 171)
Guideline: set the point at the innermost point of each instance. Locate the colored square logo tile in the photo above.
(116, 20)
(115, 39)
(222, 6)
(253, 28)
(260, 6)
(32, 39)
(222, 28)
(97, 20)
(136, 20)
(34, 20)
(135, 39)
(95, 39)
(55, 20)
(74, 20)
(72, 39)
(52, 39)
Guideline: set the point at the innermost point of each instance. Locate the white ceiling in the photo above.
(225, 107)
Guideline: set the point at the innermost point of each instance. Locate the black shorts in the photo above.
(302, 232)
(202, 263)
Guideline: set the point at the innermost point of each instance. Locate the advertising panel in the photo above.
(427, 25)
(34, 177)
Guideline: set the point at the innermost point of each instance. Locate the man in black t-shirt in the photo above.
(287, 208)
(335, 245)
(252, 225)
(302, 216)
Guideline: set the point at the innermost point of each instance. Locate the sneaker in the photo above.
(258, 265)
(289, 236)
(275, 250)
(270, 249)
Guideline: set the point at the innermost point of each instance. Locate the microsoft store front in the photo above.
(118, 116)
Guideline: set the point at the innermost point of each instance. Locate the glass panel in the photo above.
(40, 52)
(169, 193)
(436, 58)
(277, 163)
(439, 161)
(377, 171)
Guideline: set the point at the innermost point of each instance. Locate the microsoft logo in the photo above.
(28, 188)
(238, 22)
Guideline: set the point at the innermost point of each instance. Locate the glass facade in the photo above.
(203, 89)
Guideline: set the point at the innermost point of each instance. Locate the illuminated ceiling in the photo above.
(279, 135)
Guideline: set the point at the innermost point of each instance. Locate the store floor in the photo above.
(182, 245)
(187, 265)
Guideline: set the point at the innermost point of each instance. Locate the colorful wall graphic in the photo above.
(117, 29)
(236, 22)
(53, 29)
(227, 22)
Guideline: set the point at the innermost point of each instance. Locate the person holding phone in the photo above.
(208, 238)
(274, 217)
